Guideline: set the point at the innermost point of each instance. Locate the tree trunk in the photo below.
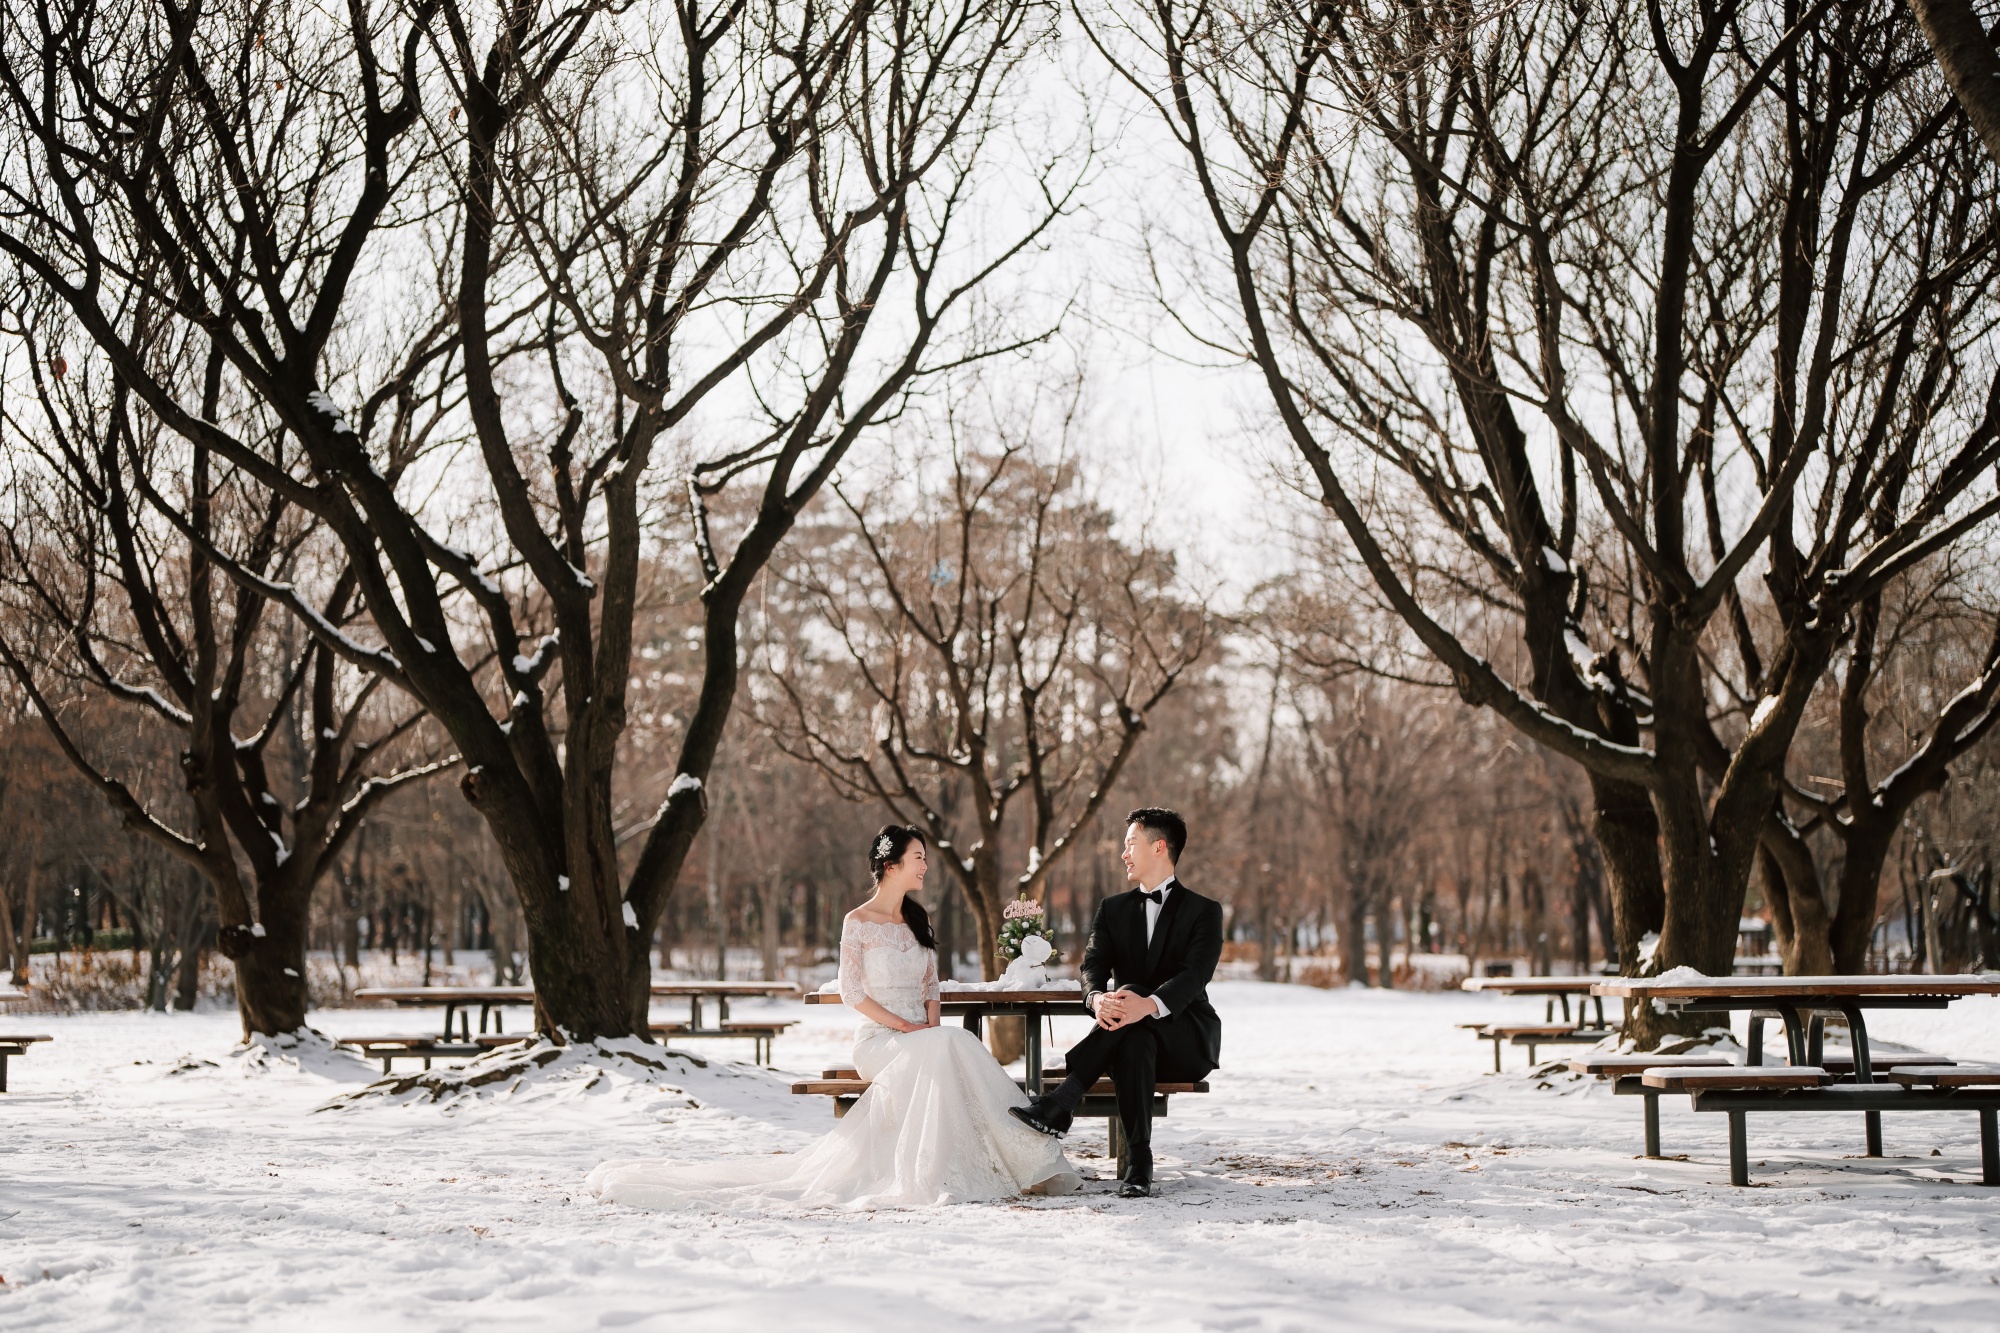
(767, 914)
(1267, 944)
(270, 963)
(1966, 56)
(1354, 939)
(187, 976)
(1867, 851)
(24, 942)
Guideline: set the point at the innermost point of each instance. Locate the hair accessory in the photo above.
(883, 846)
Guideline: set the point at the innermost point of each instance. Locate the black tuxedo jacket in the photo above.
(1187, 944)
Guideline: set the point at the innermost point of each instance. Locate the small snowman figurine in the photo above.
(1029, 971)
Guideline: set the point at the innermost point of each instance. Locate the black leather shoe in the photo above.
(1137, 1180)
(1043, 1116)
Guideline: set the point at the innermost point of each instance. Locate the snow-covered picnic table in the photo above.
(722, 992)
(1802, 1004)
(1552, 990)
(1571, 1031)
(975, 1006)
(488, 999)
(12, 1046)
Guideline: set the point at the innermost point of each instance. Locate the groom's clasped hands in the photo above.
(1123, 1007)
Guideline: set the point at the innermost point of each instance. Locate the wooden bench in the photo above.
(1740, 1092)
(428, 1048)
(1625, 1072)
(846, 1085)
(11, 1046)
(761, 1032)
(1945, 1074)
(1532, 1035)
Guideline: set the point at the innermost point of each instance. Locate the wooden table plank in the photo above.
(1639, 1064)
(453, 994)
(949, 997)
(1745, 1076)
(1947, 1076)
(1795, 988)
(1531, 985)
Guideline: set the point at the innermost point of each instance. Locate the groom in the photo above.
(1161, 943)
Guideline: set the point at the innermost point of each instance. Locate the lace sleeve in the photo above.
(931, 978)
(851, 950)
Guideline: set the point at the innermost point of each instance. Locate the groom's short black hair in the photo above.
(1164, 824)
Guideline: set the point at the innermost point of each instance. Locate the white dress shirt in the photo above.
(1153, 910)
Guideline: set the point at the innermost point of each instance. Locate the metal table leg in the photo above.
(1864, 1072)
(1989, 1145)
(1739, 1151)
(1031, 1053)
(1795, 1036)
(1754, 1049)
(1652, 1124)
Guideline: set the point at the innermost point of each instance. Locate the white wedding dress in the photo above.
(932, 1128)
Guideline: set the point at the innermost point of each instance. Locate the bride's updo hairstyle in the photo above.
(887, 850)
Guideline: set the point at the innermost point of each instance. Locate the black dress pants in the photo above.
(1138, 1057)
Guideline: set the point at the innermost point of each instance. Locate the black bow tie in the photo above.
(1154, 896)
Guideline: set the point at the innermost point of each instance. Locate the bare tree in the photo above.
(1919, 691)
(283, 748)
(997, 644)
(1547, 267)
(638, 238)
(1370, 756)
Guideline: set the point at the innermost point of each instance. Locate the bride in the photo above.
(933, 1126)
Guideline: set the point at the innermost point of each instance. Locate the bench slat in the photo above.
(1635, 1064)
(1735, 1077)
(1948, 1076)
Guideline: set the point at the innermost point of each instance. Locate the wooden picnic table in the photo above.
(15, 1045)
(1550, 989)
(722, 992)
(1802, 1004)
(8, 995)
(974, 1007)
(489, 1000)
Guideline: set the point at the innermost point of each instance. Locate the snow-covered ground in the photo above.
(1353, 1168)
